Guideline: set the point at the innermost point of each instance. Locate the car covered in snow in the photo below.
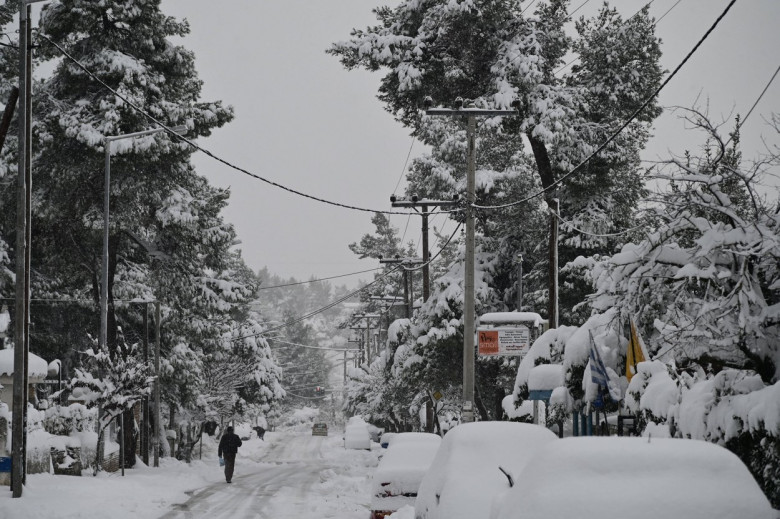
(640, 478)
(400, 471)
(471, 467)
(356, 434)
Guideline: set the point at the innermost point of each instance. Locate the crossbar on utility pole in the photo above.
(424, 203)
(471, 115)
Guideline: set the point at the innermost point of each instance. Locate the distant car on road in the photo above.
(356, 434)
(466, 473)
(400, 471)
(640, 478)
(319, 429)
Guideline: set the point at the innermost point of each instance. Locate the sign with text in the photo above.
(506, 340)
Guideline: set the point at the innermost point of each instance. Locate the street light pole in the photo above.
(471, 115)
(106, 202)
(103, 338)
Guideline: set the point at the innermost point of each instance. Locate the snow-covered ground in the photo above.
(337, 483)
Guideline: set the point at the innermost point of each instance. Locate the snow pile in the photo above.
(546, 377)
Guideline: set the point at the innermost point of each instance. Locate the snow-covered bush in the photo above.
(64, 420)
(733, 408)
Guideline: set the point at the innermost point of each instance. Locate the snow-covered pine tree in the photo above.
(168, 241)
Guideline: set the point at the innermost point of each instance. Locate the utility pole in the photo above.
(552, 309)
(23, 246)
(145, 402)
(406, 264)
(157, 424)
(470, 114)
(519, 263)
(387, 302)
(424, 204)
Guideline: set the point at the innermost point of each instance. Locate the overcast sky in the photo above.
(305, 122)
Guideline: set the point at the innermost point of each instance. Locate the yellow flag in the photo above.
(635, 354)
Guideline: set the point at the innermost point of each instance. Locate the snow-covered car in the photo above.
(356, 434)
(400, 471)
(469, 468)
(641, 478)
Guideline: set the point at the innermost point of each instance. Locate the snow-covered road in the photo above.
(290, 475)
(284, 485)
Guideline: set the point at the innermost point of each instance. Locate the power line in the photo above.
(204, 150)
(441, 250)
(401, 176)
(667, 12)
(313, 347)
(622, 127)
(319, 310)
(742, 122)
(320, 279)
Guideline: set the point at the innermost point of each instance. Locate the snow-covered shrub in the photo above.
(64, 420)
(733, 408)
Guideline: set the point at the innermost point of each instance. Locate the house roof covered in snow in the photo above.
(37, 368)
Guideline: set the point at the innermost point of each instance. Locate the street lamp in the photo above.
(179, 130)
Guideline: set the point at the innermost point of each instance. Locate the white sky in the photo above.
(305, 122)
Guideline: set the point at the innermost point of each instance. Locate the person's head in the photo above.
(230, 429)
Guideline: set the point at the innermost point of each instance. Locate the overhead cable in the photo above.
(320, 279)
(204, 150)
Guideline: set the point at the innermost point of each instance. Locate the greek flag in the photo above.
(598, 373)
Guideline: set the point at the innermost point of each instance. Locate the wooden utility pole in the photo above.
(407, 264)
(470, 114)
(145, 402)
(157, 418)
(552, 309)
(22, 317)
(424, 204)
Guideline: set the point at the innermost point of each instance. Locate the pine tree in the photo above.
(168, 240)
(492, 54)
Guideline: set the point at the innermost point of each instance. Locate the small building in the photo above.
(37, 369)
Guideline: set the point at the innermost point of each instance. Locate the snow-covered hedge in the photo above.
(733, 408)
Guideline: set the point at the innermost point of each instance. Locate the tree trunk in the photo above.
(129, 434)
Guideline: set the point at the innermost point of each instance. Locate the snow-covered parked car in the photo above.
(356, 434)
(469, 468)
(400, 471)
(640, 478)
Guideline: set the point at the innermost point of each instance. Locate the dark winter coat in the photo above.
(229, 444)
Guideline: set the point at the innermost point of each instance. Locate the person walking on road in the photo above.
(228, 446)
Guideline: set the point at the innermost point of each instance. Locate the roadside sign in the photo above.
(437, 395)
(505, 340)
